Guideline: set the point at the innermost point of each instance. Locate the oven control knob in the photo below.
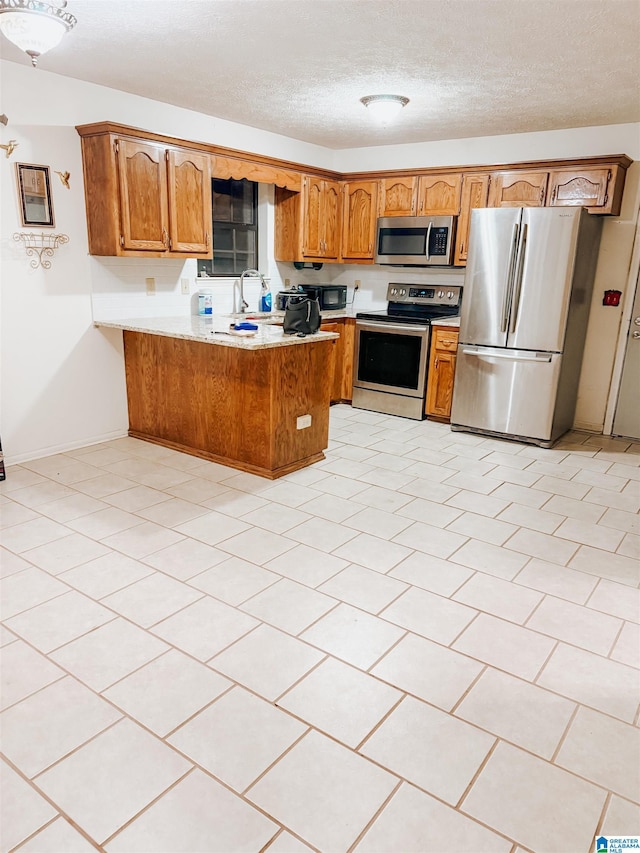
(441, 294)
(394, 291)
(450, 294)
(403, 292)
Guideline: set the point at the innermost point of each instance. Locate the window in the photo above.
(235, 228)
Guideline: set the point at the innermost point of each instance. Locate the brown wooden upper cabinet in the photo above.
(321, 218)
(475, 193)
(359, 215)
(596, 189)
(439, 195)
(518, 189)
(308, 222)
(145, 199)
(398, 196)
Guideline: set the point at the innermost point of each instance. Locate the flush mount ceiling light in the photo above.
(384, 108)
(35, 26)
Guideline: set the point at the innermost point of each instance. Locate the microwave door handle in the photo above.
(428, 238)
(506, 302)
(518, 278)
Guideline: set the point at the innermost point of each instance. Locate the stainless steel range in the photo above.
(392, 348)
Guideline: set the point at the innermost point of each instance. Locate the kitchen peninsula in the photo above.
(259, 404)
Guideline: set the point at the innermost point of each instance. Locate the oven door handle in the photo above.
(392, 327)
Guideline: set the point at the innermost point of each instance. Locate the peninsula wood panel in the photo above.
(234, 406)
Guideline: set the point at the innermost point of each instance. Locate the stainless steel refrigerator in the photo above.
(525, 308)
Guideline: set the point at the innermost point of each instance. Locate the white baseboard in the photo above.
(61, 448)
(586, 426)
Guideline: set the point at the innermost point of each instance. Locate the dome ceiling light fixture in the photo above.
(384, 108)
(35, 26)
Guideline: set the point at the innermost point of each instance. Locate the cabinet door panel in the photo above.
(348, 347)
(331, 219)
(336, 367)
(142, 176)
(312, 217)
(475, 193)
(440, 391)
(359, 219)
(398, 196)
(584, 189)
(518, 189)
(440, 195)
(189, 201)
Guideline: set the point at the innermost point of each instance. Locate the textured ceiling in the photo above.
(299, 67)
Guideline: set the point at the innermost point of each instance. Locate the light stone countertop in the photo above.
(214, 329)
(447, 321)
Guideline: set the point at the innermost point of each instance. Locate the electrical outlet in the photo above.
(287, 282)
(184, 286)
(151, 286)
(303, 422)
(356, 284)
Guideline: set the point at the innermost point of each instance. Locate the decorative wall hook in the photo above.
(10, 147)
(4, 120)
(39, 245)
(64, 178)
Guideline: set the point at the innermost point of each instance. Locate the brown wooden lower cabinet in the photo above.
(348, 346)
(335, 368)
(239, 407)
(341, 370)
(442, 367)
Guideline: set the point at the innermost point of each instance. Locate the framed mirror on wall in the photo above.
(34, 195)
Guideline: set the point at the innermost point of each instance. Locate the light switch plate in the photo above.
(151, 286)
(184, 286)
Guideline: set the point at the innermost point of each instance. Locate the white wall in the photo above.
(62, 379)
(487, 150)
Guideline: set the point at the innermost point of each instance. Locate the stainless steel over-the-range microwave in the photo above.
(416, 241)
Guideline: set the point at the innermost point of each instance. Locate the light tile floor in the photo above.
(429, 641)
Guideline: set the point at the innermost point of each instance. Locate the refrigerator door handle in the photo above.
(518, 279)
(512, 355)
(506, 302)
(428, 237)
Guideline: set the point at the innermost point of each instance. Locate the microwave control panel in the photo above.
(438, 240)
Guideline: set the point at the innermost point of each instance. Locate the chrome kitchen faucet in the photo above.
(243, 303)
